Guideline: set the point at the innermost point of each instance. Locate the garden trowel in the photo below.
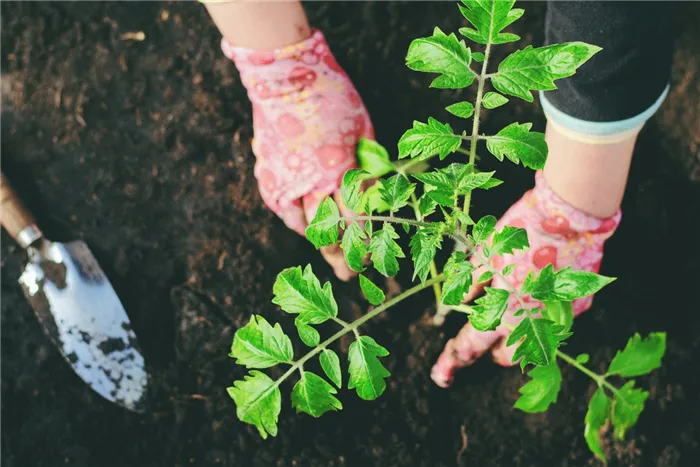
(78, 308)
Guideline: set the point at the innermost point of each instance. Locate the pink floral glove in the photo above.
(307, 119)
(560, 235)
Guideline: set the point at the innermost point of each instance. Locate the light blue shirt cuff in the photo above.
(599, 128)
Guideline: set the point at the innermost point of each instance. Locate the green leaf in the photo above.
(259, 345)
(301, 294)
(562, 313)
(385, 250)
(373, 158)
(598, 412)
(491, 100)
(461, 109)
(331, 366)
(354, 246)
(459, 279)
(483, 229)
(308, 334)
(518, 143)
(485, 277)
(442, 54)
(258, 402)
(487, 313)
(426, 205)
(628, 404)
(540, 340)
(474, 180)
(396, 191)
(509, 239)
(366, 371)
(489, 18)
(640, 356)
(462, 217)
(536, 69)
(372, 293)
(374, 198)
(314, 396)
(492, 183)
(563, 285)
(323, 229)
(424, 245)
(508, 269)
(351, 189)
(583, 358)
(542, 390)
(426, 140)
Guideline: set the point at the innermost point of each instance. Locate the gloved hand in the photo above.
(307, 120)
(560, 235)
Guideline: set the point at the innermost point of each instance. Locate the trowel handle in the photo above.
(16, 219)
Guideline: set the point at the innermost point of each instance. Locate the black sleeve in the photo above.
(632, 70)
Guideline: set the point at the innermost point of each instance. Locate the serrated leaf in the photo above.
(314, 396)
(483, 229)
(462, 217)
(540, 340)
(331, 366)
(492, 183)
(508, 269)
(351, 189)
(485, 277)
(598, 412)
(396, 191)
(258, 402)
(442, 54)
(536, 69)
(491, 100)
(354, 246)
(301, 294)
(473, 181)
(366, 371)
(542, 390)
(385, 250)
(489, 18)
(489, 309)
(563, 285)
(426, 205)
(628, 404)
(308, 334)
(459, 279)
(640, 356)
(427, 139)
(374, 198)
(373, 158)
(518, 143)
(424, 244)
(461, 109)
(372, 293)
(323, 229)
(259, 345)
(561, 313)
(509, 239)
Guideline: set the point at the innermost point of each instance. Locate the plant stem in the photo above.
(475, 125)
(598, 378)
(396, 220)
(355, 324)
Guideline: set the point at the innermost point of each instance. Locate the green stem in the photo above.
(598, 378)
(396, 220)
(475, 125)
(355, 324)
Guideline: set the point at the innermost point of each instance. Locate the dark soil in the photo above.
(142, 148)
